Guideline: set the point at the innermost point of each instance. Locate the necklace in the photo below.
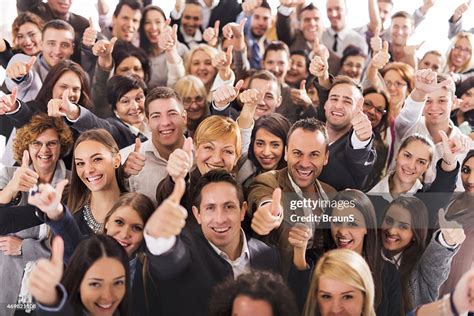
(90, 220)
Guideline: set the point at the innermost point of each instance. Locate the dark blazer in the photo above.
(226, 11)
(16, 218)
(186, 275)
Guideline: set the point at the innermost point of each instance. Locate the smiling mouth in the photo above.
(124, 244)
(304, 173)
(44, 157)
(408, 173)
(104, 306)
(267, 161)
(344, 242)
(212, 167)
(166, 132)
(94, 178)
(338, 114)
(221, 230)
(391, 239)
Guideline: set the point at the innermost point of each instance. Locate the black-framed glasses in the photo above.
(369, 106)
(37, 145)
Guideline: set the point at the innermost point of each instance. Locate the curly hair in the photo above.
(39, 124)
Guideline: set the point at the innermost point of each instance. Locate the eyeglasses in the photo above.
(461, 49)
(37, 145)
(395, 84)
(369, 106)
(22, 37)
(351, 65)
(188, 101)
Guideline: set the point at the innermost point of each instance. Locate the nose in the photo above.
(106, 294)
(125, 232)
(90, 168)
(134, 105)
(220, 216)
(470, 179)
(267, 150)
(216, 156)
(336, 306)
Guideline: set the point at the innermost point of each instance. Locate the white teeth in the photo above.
(166, 132)
(44, 157)
(105, 306)
(344, 241)
(337, 114)
(92, 179)
(214, 166)
(221, 230)
(304, 173)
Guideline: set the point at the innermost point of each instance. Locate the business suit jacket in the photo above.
(186, 275)
(262, 189)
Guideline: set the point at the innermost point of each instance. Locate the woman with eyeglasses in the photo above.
(353, 63)
(26, 31)
(38, 148)
(459, 55)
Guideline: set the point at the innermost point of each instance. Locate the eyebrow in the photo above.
(96, 154)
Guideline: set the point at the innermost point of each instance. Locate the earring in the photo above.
(116, 166)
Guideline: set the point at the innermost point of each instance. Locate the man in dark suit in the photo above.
(190, 29)
(189, 263)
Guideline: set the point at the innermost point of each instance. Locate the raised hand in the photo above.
(179, 5)
(46, 275)
(426, 82)
(104, 48)
(169, 218)
(226, 94)
(268, 216)
(452, 231)
(90, 34)
(135, 160)
(291, 3)
(8, 102)
(376, 41)
(23, 179)
(48, 199)
(250, 5)
(63, 107)
(319, 66)
(251, 97)
(463, 296)
(361, 125)
(211, 34)
(180, 161)
(460, 10)
(20, 69)
(452, 147)
(234, 30)
(299, 236)
(168, 38)
(411, 49)
(300, 96)
(381, 58)
(223, 60)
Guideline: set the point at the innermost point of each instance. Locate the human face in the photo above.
(271, 98)
(57, 45)
(103, 287)
(310, 25)
(353, 66)
(397, 233)
(125, 24)
(306, 155)
(336, 11)
(342, 105)
(467, 101)
(437, 108)
(95, 165)
(60, 7)
(191, 19)
(220, 216)
(374, 107)
(195, 105)
(461, 53)
(298, 70)
(349, 235)
(126, 226)
(400, 30)
(152, 25)
(68, 81)
(130, 65)
(166, 121)
(44, 158)
(28, 39)
(130, 107)
(467, 175)
(384, 10)
(268, 149)
(313, 95)
(433, 62)
(261, 21)
(396, 87)
(246, 306)
(216, 154)
(338, 298)
(277, 62)
(412, 162)
(201, 67)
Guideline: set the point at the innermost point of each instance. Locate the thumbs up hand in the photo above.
(167, 39)
(20, 69)
(24, 178)
(135, 160)
(361, 125)
(452, 231)
(169, 218)
(63, 107)
(90, 34)
(381, 58)
(376, 41)
(226, 94)
(46, 275)
(180, 161)
(211, 34)
(48, 199)
(268, 216)
(8, 103)
(300, 96)
(223, 60)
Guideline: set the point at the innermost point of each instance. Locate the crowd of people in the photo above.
(232, 160)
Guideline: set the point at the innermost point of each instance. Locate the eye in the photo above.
(94, 284)
(97, 159)
(404, 226)
(207, 147)
(325, 296)
(276, 146)
(406, 155)
(353, 224)
(259, 143)
(466, 170)
(422, 162)
(154, 116)
(347, 297)
(119, 222)
(315, 154)
(79, 164)
(137, 229)
(388, 220)
(229, 151)
(119, 282)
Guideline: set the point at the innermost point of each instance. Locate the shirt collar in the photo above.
(244, 254)
(298, 190)
(196, 38)
(213, 4)
(395, 260)
(383, 188)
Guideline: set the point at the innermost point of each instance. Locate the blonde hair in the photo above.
(469, 63)
(189, 84)
(211, 51)
(218, 127)
(346, 266)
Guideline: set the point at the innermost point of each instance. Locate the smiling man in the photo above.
(189, 263)
(190, 24)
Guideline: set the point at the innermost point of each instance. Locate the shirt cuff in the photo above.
(61, 304)
(74, 121)
(175, 15)
(218, 108)
(443, 242)
(160, 245)
(358, 144)
(17, 109)
(286, 11)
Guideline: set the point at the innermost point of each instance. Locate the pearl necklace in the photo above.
(90, 220)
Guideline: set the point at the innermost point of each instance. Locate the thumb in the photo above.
(91, 23)
(175, 31)
(443, 223)
(229, 52)
(316, 44)
(303, 85)
(14, 94)
(25, 160)
(242, 24)
(57, 251)
(66, 97)
(419, 45)
(239, 85)
(377, 31)
(178, 191)
(138, 145)
(112, 43)
(385, 46)
(188, 146)
(60, 187)
(216, 28)
(276, 200)
(30, 63)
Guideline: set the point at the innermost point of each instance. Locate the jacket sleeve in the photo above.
(16, 218)
(88, 120)
(22, 116)
(28, 5)
(99, 93)
(361, 161)
(283, 28)
(170, 264)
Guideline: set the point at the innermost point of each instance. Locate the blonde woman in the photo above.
(459, 55)
(342, 283)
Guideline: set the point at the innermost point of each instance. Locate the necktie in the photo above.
(334, 46)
